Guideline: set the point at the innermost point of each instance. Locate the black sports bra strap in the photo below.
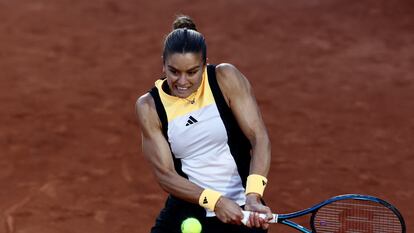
(160, 110)
(215, 88)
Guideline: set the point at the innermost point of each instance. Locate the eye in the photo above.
(192, 72)
(173, 71)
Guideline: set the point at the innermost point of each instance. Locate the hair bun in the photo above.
(184, 21)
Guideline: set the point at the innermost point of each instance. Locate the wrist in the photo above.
(253, 198)
(256, 184)
(218, 203)
(209, 198)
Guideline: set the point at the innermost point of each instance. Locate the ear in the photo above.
(163, 69)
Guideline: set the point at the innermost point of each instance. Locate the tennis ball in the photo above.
(191, 225)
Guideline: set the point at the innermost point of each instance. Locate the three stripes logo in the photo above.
(191, 120)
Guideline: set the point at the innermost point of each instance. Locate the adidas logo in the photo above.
(264, 183)
(191, 120)
(205, 200)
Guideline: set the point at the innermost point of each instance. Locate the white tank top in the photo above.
(198, 137)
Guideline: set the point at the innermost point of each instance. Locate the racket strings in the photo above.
(356, 216)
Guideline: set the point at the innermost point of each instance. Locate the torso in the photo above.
(198, 138)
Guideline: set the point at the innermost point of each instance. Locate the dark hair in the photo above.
(184, 39)
(183, 21)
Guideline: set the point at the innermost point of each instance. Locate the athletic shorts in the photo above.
(176, 211)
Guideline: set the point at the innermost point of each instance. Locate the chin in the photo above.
(182, 95)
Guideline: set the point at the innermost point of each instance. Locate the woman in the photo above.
(203, 134)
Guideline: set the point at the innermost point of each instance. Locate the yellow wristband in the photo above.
(256, 184)
(208, 199)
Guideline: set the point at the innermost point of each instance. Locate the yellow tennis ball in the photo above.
(191, 225)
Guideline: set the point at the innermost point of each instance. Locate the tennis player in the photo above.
(204, 136)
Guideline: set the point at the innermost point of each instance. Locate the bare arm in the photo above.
(157, 152)
(239, 96)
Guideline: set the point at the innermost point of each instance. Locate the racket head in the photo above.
(357, 213)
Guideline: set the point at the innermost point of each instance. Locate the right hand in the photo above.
(254, 204)
(228, 211)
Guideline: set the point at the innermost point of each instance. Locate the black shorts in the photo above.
(176, 211)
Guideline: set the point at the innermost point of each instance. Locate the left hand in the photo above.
(254, 204)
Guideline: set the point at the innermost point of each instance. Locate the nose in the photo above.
(182, 79)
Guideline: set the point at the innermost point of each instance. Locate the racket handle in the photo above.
(246, 215)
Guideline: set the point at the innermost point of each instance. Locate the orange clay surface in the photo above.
(334, 80)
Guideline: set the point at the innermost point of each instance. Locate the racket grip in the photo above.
(246, 215)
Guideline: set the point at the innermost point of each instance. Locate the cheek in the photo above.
(169, 83)
(171, 79)
(197, 80)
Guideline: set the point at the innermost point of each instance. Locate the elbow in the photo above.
(262, 140)
(265, 138)
(165, 178)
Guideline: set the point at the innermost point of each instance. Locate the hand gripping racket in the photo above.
(345, 214)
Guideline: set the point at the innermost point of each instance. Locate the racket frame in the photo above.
(284, 218)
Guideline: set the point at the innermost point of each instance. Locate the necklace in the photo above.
(189, 100)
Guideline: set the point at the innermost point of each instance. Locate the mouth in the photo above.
(182, 88)
(182, 91)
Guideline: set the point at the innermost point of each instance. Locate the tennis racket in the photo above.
(351, 213)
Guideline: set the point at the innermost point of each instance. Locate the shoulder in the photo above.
(145, 109)
(227, 72)
(145, 102)
(230, 79)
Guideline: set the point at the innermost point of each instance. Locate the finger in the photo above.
(238, 217)
(263, 221)
(251, 219)
(258, 220)
(263, 209)
(248, 224)
(269, 216)
(267, 211)
(236, 220)
(254, 219)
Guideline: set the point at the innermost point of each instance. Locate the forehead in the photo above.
(184, 61)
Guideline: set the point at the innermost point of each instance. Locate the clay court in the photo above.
(334, 80)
